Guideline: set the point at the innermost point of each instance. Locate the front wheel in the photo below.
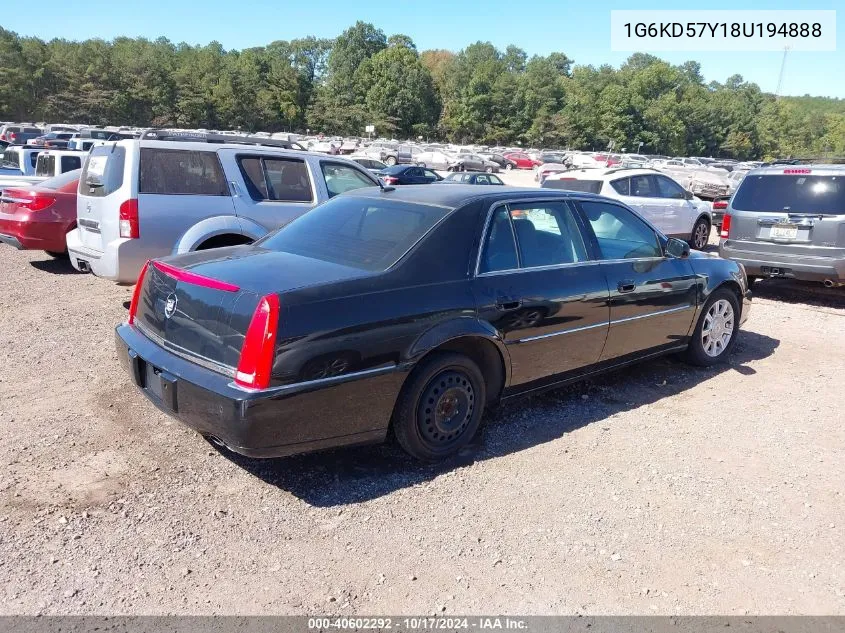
(716, 331)
(509, 166)
(440, 407)
(489, 170)
(390, 161)
(700, 234)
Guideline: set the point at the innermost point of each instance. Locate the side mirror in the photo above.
(676, 248)
(688, 195)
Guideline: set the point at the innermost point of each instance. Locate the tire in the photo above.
(440, 407)
(705, 351)
(489, 170)
(509, 166)
(700, 236)
(390, 161)
(57, 254)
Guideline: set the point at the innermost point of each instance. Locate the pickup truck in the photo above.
(34, 165)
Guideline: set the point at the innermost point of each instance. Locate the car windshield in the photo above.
(367, 233)
(798, 193)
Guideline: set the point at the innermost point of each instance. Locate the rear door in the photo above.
(270, 190)
(652, 296)
(178, 188)
(537, 285)
(801, 211)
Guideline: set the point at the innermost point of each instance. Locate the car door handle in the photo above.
(626, 286)
(503, 304)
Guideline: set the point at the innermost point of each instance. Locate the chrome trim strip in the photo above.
(651, 314)
(319, 382)
(561, 332)
(13, 200)
(511, 271)
(183, 353)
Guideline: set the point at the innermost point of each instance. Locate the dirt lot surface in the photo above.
(661, 489)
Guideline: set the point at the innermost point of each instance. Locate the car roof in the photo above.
(798, 170)
(459, 194)
(600, 173)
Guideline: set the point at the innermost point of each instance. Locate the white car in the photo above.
(657, 197)
(435, 160)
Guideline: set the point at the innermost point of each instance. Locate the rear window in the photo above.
(798, 194)
(571, 184)
(13, 157)
(103, 171)
(62, 180)
(69, 163)
(181, 172)
(46, 165)
(370, 234)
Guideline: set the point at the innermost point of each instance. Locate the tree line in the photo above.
(480, 94)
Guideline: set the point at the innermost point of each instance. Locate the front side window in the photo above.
(181, 172)
(341, 178)
(620, 233)
(278, 179)
(669, 188)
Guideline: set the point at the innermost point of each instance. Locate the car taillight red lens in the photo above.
(39, 202)
(726, 227)
(720, 204)
(129, 219)
(180, 274)
(136, 294)
(390, 180)
(256, 363)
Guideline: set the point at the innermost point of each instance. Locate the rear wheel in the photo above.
(440, 407)
(390, 161)
(700, 234)
(489, 170)
(716, 331)
(509, 166)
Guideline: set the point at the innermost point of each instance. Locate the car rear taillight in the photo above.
(726, 227)
(136, 294)
(12, 137)
(256, 362)
(129, 219)
(186, 276)
(29, 200)
(720, 204)
(390, 180)
(3, 137)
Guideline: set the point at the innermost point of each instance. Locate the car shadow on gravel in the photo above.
(356, 474)
(806, 292)
(57, 266)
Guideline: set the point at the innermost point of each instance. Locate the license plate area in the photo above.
(784, 232)
(160, 386)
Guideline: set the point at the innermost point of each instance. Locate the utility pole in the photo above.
(782, 67)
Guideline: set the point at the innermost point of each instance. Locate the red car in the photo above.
(39, 217)
(522, 160)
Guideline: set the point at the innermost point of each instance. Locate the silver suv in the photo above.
(788, 221)
(141, 199)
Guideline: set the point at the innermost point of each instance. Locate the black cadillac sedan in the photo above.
(414, 309)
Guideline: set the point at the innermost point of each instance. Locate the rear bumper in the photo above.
(25, 233)
(275, 422)
(120, 261)
(806, 268)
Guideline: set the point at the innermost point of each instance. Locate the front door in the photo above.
(680, 213)
(652, 296)
(538, 287)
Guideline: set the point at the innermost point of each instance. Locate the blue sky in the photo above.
(579, 28)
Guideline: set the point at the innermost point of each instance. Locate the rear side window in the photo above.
(280, 179)
(69, 163)
(367, 233)
(798, 194)
(46, 165)
(181, 172)
(341, 178)
(103, 171)
(571, 184)
(621, 186)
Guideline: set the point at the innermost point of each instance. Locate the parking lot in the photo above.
(660, 489)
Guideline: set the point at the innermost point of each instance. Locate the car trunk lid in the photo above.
(200, 305)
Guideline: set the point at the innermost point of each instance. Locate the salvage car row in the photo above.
(289, 301)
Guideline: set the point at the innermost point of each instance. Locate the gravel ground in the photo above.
(660, 489)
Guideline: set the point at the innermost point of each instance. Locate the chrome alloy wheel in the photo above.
(718, 328)
(701, 236)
